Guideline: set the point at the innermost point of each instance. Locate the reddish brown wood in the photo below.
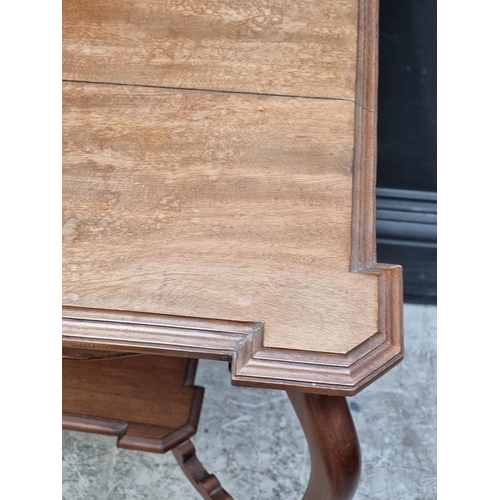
(149, 402)
(206, 484)
(333, 445)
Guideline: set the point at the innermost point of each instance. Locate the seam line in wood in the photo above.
(218, 91)
(253, 363)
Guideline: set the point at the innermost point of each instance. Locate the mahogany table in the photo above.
(218, 202)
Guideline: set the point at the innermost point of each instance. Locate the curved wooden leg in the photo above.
(206, 484)
(333, 445)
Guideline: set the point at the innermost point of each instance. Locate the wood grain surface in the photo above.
(217, 206)
(149, 402)
(219, 188)
(293, 47)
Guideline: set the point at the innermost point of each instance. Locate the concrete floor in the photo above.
(252, 441)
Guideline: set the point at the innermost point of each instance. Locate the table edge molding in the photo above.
(253, 364)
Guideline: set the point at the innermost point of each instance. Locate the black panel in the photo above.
(407, 95)
(406, 213)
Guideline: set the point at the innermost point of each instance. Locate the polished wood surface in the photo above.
(149, 402)
(333, 446)
(292, 47)
(189, 213)
(215, 205)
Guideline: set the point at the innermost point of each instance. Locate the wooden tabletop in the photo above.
(218, 188)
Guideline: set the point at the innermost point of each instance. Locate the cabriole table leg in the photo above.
(333, 445)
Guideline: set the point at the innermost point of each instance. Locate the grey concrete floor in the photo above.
(252, 441)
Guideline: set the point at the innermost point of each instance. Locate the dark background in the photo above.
(407, 144)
